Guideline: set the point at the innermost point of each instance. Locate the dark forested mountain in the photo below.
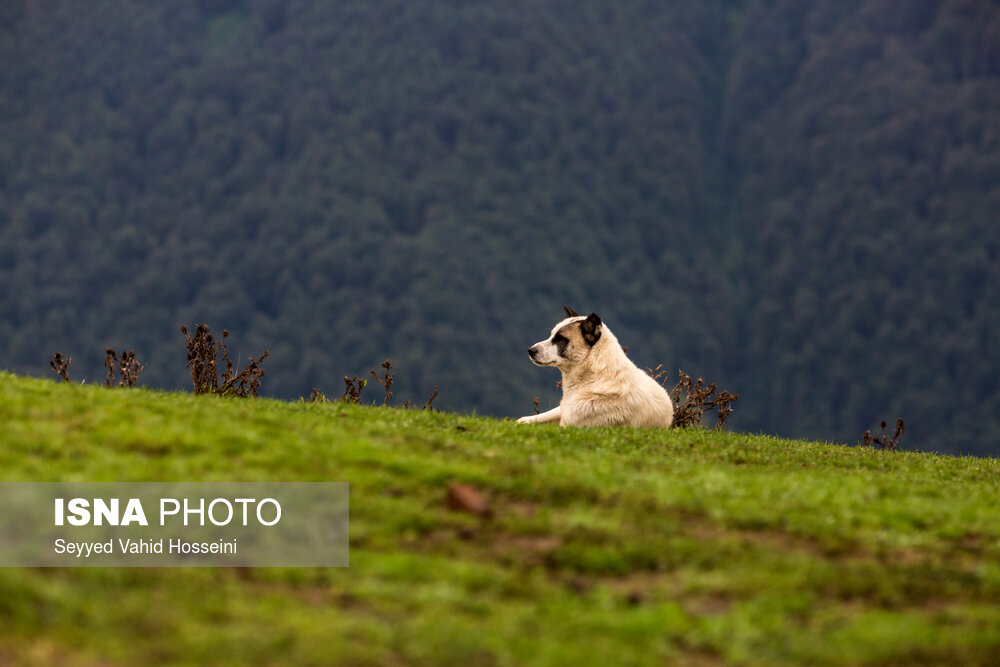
(795, 200)
(865, 139)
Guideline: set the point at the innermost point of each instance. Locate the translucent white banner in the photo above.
(173, 524)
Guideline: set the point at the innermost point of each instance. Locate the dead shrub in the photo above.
(353, 386)
(203, 362)
(693, 398)
(127, 368)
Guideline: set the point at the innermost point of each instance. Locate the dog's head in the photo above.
(570, 342)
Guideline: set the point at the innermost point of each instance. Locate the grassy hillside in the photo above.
(606, 546)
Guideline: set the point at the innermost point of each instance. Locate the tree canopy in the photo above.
(794, 200)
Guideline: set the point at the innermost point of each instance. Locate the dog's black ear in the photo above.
(591, 329)
(570, 312)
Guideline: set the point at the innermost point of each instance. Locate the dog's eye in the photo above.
(559, 338)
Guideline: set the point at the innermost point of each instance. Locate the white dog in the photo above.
(600, 385)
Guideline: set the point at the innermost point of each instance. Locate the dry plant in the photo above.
(202, 360)
(699, 398)
(60, 365)
(693, 398)
(884, 441)
(429, 405)
(385, 381)
(353, 386)
(128, 368)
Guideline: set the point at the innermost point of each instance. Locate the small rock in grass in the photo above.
(467, 498)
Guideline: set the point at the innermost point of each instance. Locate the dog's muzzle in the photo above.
(533, 352)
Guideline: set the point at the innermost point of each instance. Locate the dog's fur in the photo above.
(601, 386)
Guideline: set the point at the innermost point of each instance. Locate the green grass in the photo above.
(606, 547)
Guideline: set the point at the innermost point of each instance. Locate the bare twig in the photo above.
(429, 405)
(60, 365)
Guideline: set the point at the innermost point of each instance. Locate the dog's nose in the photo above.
(532, 351)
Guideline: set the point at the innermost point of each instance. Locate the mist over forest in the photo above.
(795, 200)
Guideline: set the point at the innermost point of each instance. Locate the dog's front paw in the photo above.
(526, 419)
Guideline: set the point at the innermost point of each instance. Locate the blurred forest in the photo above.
(796, 200)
